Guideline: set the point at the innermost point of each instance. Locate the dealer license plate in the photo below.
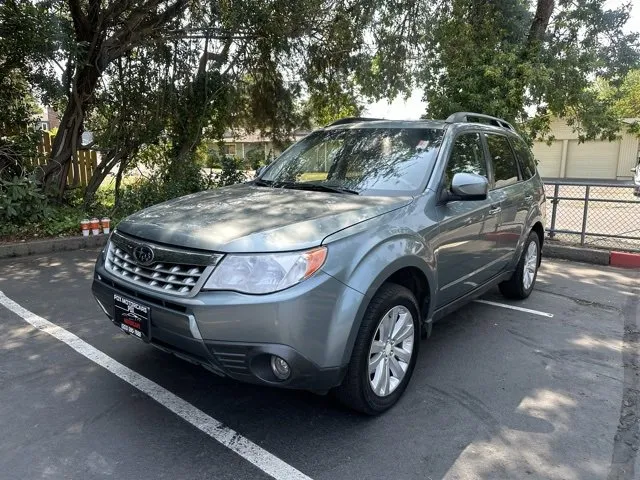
(132, 317)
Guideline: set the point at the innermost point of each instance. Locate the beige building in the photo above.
(602, 160)
(239, 144)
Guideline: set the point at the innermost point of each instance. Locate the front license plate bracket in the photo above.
(131, 316)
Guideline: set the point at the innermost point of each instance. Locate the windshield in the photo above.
(373, 160)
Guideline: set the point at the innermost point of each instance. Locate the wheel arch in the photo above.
(413, 273)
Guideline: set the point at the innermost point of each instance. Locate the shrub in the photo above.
(255, 158)
(163, 185)
(213, 160)
(22, 201)
(232, 171)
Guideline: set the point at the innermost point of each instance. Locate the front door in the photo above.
(466, 241)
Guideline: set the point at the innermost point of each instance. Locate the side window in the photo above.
(505, 171)
(467, 156)
(525, 158)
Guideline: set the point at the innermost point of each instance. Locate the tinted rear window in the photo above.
(505, 171)
(525, 158)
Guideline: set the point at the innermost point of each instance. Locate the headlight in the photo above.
(265, 273)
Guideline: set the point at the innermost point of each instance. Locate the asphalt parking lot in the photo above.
(497, 393)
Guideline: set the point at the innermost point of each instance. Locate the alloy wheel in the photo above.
(530, 265)
(391, 350)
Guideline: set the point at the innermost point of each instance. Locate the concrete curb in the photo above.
(576, 254)
(37, 247)
(591, 255)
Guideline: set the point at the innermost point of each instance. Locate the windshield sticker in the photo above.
(422, 145)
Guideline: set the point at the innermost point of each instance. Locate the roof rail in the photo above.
(346, 120)
(469, 116)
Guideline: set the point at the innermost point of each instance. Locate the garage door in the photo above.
(592, 159)
(548, 157)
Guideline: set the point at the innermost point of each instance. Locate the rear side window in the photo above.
(467, 156)
(505, 171)
(525, 158)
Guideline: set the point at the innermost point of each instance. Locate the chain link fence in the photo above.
(594, 214)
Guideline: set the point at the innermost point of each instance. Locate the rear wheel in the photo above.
(521, 283)
(385, 352)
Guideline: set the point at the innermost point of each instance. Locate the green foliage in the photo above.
(60, 221)
(627, 105)
(22, 201)
(163, 185)
(232, 171)
(213, 159)
(154, 84)
(18, 133)
(497, 58)
(255, 158)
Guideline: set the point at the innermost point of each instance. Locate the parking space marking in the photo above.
(513, 307)
(265, 461)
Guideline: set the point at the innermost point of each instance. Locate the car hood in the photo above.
(247, 218)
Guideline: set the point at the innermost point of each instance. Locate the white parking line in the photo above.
(265, 461)
(512, 307)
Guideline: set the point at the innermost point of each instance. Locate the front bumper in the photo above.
(308, 325)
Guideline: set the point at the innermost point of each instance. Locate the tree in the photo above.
(627, 103)
(18, 123)
(102, 33)
(132, 113)
(233, 63)
(19, 79)
(523, 62)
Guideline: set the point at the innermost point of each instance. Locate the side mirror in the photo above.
(259, 171)
(469, 186)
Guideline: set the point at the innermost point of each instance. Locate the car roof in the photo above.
(433, 124)
(439, 124)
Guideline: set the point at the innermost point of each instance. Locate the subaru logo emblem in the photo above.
(143, 254)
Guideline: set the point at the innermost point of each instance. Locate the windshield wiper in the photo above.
(263, 183)
(316, 187)
(319, 187)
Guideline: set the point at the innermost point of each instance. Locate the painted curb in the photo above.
(21, 249)
(576, 254)
(625, 260)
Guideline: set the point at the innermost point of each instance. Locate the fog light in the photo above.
(280, 367)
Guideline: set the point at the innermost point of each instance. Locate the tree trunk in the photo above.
(108, 163)
(202, 92)
(67, 141)
(544, 10)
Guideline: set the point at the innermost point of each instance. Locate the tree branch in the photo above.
(135, 30)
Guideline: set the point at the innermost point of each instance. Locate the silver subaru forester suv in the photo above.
(325, 271)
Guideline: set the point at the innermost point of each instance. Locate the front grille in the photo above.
(167, 276)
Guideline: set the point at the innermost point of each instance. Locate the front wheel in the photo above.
(521, 283)
(385, 352)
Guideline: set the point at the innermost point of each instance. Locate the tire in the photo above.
(390, 304)
(521, 283)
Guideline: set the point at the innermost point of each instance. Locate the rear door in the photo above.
(465, 247)
(509, 193)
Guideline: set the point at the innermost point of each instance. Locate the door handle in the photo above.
(495, 209)
(528, 198)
